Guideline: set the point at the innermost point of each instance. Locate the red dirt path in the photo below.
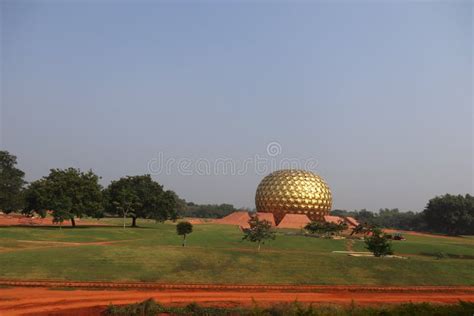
(19, 220)
(89, 298)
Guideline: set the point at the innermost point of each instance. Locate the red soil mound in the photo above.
(294, 221)
(236, 218)
(333, 219)
(267, 217)
(352, 221)
(241, 219)
(198, 221)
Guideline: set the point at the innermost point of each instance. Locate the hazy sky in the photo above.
(377, 98)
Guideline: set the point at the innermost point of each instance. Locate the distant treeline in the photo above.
(447, 214)
(207, 210)
(387, 218)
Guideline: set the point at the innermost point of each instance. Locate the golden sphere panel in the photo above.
(293, 191)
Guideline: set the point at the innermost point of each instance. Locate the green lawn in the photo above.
(216, 254)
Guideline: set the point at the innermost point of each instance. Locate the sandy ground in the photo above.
(49, 298)
(18, 220)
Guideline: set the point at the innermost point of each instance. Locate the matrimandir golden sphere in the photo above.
(292, 191)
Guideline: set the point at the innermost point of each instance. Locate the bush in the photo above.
(145, 308)
(378, 243)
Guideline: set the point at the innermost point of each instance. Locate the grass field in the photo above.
(216, 254)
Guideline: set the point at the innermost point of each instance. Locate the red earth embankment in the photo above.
(89, 298)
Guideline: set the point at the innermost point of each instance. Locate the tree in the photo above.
(177, 203)
(259, 231)
(124, 200)
(69, 193)
(11, 183)
(183, 229)
(169, 202)
(378, 243)
(35, 195)
(142, 195)
(59, 217)
(450, 214)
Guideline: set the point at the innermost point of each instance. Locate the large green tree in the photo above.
(11, 183)
(142, 197)
(450, 214)
(68, 193)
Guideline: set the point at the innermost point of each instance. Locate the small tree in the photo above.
(183, 229)
(259, 231)
(378, 243)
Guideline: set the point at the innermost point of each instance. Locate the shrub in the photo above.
(378, 243)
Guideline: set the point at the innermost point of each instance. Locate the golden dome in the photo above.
(295, 192)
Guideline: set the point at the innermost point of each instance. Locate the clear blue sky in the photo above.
(379, 94)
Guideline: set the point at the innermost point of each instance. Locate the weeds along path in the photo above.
(90, 298)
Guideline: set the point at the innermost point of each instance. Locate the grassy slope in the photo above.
(216, 254)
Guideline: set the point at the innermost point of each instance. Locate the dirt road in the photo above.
(89, 298)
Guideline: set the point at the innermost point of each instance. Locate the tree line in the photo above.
(446, 214)
(68, 194)
(207, 210)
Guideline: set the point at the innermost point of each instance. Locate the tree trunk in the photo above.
(184, 240)
(73, 222)
(259, 244)
(124, 220)
(134, 221)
